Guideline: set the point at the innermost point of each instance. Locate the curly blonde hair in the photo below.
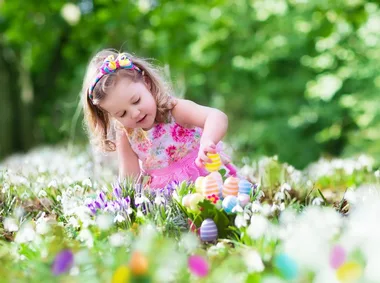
(99, 124)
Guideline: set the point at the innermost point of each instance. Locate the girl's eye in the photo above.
(137, 101)
(125, 112)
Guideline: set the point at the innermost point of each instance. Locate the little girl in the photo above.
(157, 135)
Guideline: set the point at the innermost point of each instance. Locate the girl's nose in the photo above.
(135, 113)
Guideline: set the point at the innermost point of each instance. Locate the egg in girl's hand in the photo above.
(229, 203)
(208, 230)
(231, 187)
(215, 163)
(210, 186)
(199, 184)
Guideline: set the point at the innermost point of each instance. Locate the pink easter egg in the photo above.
(243, 199)
(198, 266)
(337, 256)
(218, 178)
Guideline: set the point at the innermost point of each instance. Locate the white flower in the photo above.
(26, 234)
(86, 237)
(317, 201)
(159, 199)
(253, 261)
(87, 182)
(285, 187)
(258, 227)
(10, 224)
(240, 221)
(42, 194)
(53, 184)
(119, 218)
(117, 239)
(279, 196)
(104, 222)
(256, 206)
(350, 196)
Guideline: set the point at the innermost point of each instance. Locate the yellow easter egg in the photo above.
(210, 186)
(194, 199)
(186, 200)
(198, 184)
(138, 263)
(349, 272)
(231, 187)
(215, 163)
(121, 275)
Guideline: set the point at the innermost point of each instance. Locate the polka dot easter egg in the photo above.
(215, 163)
(229, 203)
(231, 187)
(210, 186)
(245, 187)
(208, 230)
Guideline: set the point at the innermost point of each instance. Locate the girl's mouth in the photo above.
(141, 120)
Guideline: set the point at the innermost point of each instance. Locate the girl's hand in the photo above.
(205, 148)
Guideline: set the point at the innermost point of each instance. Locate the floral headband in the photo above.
(109, 66)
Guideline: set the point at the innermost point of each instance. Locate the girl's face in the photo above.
(131, 103)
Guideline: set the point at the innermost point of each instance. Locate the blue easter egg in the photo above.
(245, 187)
(287, 266)
(208, 230)
(229, 203)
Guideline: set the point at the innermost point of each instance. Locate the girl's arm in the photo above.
(128, 160)
(213, 121)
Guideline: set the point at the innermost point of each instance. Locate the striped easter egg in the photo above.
(245, 187)
(229, 203)
(210, 186)
(208, 230)
(216, 175)
(231, 187)
(215, 163)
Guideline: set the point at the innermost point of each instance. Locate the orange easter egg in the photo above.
(231, 187)
(210, 186)
(215, 163)
(138, 263)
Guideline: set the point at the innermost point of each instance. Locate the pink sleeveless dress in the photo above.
(167, 152)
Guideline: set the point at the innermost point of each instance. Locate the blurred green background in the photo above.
(298, 78)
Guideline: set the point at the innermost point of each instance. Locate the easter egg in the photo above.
(231, 187)
(138, 263)
(287, 266)
(198, 266)
(208, 230)
(349, 272)
(186, 200)
(215, 163)
(218, 178)
(210, 186)
(243, 199)
(199, 184)
(194, 199)
(229, 203)
(245, 187)
(337, 256)
(121, 275)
